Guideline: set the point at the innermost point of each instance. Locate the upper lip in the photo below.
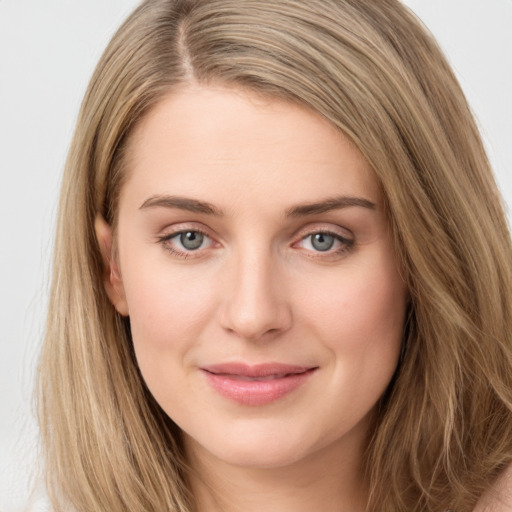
(256, 370)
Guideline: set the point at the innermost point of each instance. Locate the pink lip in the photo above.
(256, 385)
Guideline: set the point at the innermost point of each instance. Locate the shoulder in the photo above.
(499, 497)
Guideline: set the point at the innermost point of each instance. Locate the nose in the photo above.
(255, 306)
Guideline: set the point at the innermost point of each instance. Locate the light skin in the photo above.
(288, 260)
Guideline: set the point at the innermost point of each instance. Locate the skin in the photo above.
(256, 291)
(499, 497)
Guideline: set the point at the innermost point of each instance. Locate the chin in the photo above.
(256, 448)
(262, 458)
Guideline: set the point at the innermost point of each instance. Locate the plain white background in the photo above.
(47, 53)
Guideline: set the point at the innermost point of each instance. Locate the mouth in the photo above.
(256, 385)
(256, 379)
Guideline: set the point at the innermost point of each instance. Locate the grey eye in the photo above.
(191, 240)
(322, 241)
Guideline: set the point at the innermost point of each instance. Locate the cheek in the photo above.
(362, 327)
(377, 308)
(361, 317)
(168, 309)
(167, 317)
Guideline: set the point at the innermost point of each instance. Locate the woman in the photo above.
(282, 277)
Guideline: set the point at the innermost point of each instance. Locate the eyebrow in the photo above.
(302, 210)
(182, 203)
(333, 203)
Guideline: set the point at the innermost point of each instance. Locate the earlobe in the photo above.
(111, 276)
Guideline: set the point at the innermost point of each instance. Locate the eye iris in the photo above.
(322, 241)
(191, 240)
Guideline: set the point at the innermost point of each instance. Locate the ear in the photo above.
(111, 275)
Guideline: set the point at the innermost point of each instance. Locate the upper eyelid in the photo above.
(340, 231)
(337, 231)
(173, 234)
(184, 227)
(167, 237)
(341, 239)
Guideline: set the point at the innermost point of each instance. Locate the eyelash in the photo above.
(346, 244)
(166, 239)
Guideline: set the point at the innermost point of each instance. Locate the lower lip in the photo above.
(256, 392)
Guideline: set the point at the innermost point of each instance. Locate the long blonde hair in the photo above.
(443, 431)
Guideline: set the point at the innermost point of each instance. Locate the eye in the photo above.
(182, 243)
(191, 240)
(326, 242)
(322, 241)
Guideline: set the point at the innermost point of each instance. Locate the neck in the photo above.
(329, 480)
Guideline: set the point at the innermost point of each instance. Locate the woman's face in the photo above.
(258, 272)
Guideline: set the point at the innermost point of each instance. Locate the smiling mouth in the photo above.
(257, 379)
(256, 385)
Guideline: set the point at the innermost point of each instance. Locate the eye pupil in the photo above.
(191, 240)
(322, 241)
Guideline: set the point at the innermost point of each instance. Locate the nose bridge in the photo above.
(256, 304)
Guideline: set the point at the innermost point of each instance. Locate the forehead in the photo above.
(226, 144)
